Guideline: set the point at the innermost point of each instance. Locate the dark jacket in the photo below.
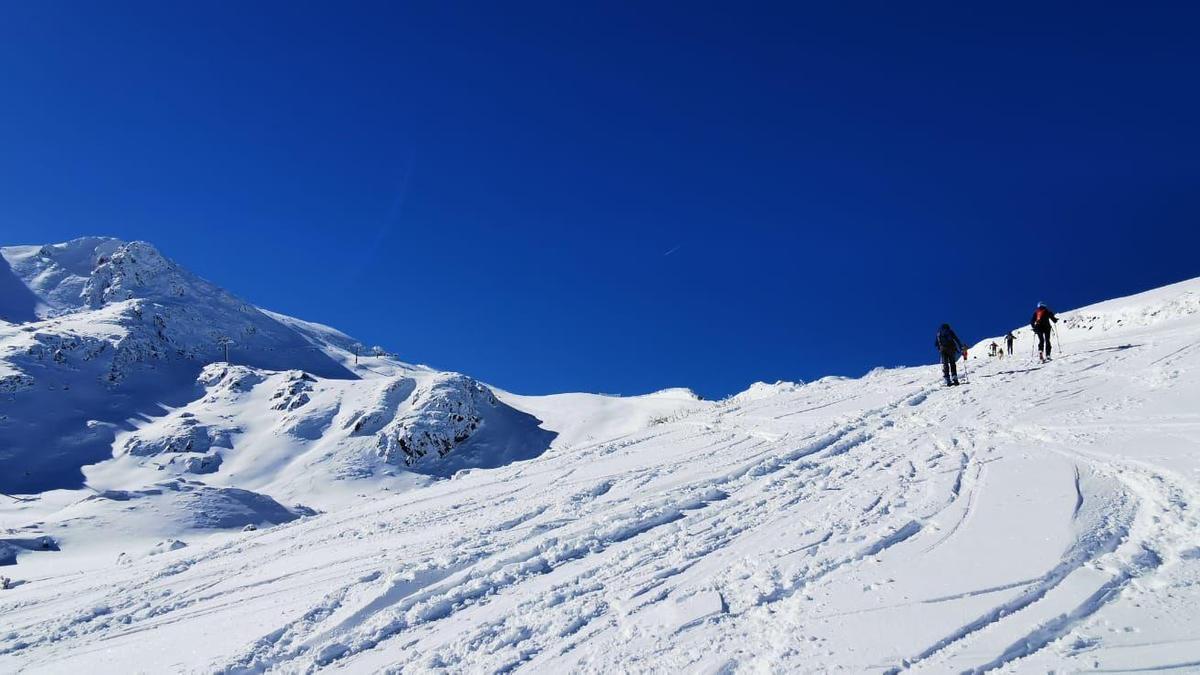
(1040, 321)
(947, 342)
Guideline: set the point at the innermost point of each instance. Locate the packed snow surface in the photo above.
(382, 517)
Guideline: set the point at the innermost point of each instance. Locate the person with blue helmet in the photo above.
(1043, 316)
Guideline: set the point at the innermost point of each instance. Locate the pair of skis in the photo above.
(1058, 343)
(961, 378)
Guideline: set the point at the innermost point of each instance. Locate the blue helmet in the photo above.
(1041, 304)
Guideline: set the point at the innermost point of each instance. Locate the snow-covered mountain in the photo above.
(110, 349)
(114, 381)
(400, 519)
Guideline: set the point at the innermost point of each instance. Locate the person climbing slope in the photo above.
(949, 346)
(1009, 339)
(1041, 325)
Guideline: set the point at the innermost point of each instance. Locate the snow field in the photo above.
(1041, 518)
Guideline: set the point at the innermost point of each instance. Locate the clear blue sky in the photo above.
(493, 188)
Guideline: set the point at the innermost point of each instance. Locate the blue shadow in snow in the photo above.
(506, 436)
(17, 302)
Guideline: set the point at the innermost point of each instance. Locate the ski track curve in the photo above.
(561, 563)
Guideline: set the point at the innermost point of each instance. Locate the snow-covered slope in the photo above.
(1040, 518)
(113, 381)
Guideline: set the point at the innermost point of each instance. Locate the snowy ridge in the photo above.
(114, 331)
(760, 390)
(1154, 307)
(1040, 518)
(294, 435)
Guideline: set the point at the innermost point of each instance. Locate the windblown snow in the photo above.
(298, 509)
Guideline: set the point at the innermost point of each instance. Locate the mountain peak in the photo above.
(93, 271)
(137, 269)
(79, 255)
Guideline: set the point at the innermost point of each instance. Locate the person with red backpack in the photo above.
(949, 346)
(1040, 323)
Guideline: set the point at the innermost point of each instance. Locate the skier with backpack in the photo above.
(1009, 339)
(1041, 325)
(949, 346)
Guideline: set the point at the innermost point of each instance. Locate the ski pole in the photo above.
(1058, 340)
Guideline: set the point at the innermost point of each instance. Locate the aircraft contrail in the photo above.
(672, 250)
(389, 221)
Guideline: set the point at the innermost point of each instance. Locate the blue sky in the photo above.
(494, 188)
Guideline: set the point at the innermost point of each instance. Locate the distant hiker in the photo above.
(993, 349)
(1040, 323)
(1010, 338)
(949, 346)
(5, 583)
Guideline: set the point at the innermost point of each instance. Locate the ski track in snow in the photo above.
(884, 524)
